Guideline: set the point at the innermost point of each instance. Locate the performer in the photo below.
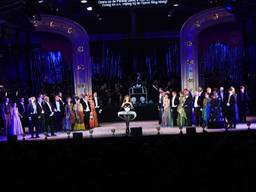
(58, 109)
(127, 114)
(160, 105)
(16, 128)
(87, 110)
(223, 96)
(167, 120)
(79, 115)
(69, 115)
(23, 112)
(33, 117)
(49, 116)
(174, 105)
(242, 104)
(188, 106)
(41, 114)
(93, 113)
(6, 115)
(215, 112)
(98, 106)
(206, 110)
(198, 104)
(231, 109)
(181, 119)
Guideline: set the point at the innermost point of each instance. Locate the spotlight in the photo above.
(230, 5)
(83, 1)
(176, 5)
(40, 1)
(89, 8)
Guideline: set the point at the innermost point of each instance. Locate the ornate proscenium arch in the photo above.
(80, 48)
(189, 42)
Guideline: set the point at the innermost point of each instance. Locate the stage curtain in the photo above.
(123, 59)
(221, 64)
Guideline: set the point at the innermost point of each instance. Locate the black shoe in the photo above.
(32, 137)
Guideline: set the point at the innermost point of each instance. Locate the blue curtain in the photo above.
(46, 68)
(221, 64)
(121, 59)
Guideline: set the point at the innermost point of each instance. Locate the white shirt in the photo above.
(222, 96)
(50, 107)
(34, 108)
(173, 100)
(87, 106)
(96, 102)
(196, 100)
(57, 106)
(41, 107)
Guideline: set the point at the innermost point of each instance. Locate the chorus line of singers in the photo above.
(215, 108)
(43, 116)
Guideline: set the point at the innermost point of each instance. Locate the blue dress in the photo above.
(206, 111)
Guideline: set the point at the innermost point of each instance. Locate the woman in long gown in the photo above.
(206, 110)
(167, 117)
(181, 119)
(93, 114)
(69, 116)
(79, 115)
(16, 128)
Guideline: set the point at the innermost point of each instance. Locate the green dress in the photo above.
(181, 119)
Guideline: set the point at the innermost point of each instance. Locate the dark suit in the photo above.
(242, 100)
(198, 110)
(7, 119)
(41, 117)
(174, 109)
(49, 124)
(98, 108)
(188, 110)
(231, 111)
(58, 115)
(223, 98)
(161, 108)
(33, 120)
(86, 113)
(23, 111)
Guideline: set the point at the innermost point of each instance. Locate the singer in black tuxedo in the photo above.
(188, 105)
(87, 111)
(242, 100)
(231, 110)
(33, 118)
(23, 112)
(58, 108)
(174, 105)
(49, 116)
(98, 106)
(198, 106)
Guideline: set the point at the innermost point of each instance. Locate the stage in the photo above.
(117, 129)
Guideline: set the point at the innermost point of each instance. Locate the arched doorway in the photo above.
(80, 48)
(189, 42)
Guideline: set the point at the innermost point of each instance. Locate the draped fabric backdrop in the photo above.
(121, 60)
(51, 64)
(221, 55)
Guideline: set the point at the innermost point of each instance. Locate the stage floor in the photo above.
(149, 128)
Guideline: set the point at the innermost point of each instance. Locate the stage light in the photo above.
(83, 1)
(91, 132)
(249, 125)
(176, 5)
(158, 130)
(230, 5)
(40, 1)
(89, 8)
(113, 131)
